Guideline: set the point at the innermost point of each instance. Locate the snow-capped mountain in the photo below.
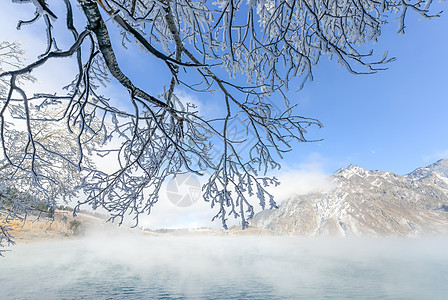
(372, 203)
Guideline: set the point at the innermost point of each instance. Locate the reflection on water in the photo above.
(226, 268)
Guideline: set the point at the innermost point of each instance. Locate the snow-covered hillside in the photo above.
(368, 203)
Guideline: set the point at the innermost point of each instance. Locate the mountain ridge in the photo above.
(368, 203)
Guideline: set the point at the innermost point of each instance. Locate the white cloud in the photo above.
(166, 214)
(310, 178)
(307, 177)
(10, 14)
(55, 73)
(205, 107)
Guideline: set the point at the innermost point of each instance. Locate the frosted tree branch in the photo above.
(208, 47)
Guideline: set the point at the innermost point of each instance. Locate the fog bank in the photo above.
(114, 266)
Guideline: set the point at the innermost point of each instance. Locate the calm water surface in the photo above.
(119, 267)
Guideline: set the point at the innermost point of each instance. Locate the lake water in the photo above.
(120, 267)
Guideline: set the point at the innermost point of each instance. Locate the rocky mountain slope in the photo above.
(368, 203)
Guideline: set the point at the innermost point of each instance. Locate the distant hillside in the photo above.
(368, 203)
(63, 225)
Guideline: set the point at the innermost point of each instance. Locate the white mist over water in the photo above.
(210, 267)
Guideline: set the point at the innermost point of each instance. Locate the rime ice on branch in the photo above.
(272, 44)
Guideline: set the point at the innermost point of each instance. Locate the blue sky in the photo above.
(395, 120)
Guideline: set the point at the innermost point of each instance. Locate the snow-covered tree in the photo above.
(36, 184)
(248, 53)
